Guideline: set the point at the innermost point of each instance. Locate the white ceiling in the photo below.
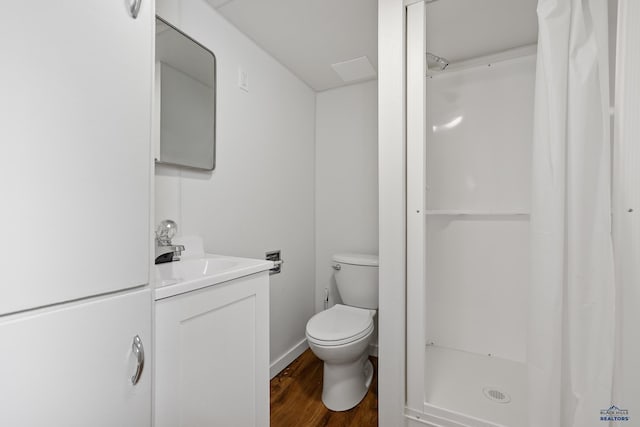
(464, 29)
(307, 36)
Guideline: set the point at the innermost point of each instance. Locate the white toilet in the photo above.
(340, 335)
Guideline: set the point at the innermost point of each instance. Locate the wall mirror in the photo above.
(185, 99)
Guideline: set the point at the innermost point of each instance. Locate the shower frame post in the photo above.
(626, 204)
(416, 71)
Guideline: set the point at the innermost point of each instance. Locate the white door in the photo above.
(72, 366)
(75, 93)
(212, 356)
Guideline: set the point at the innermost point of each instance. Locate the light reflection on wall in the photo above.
(447, 126)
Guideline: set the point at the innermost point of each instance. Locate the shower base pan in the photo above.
(472, 390)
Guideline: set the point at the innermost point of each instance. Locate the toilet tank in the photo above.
(357, 279)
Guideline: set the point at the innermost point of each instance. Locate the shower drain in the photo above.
(496, 395)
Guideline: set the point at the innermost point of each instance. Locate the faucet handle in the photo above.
(166, 231)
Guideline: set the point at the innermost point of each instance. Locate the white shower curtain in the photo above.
(572, 300)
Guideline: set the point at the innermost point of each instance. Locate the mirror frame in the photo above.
(215, 102)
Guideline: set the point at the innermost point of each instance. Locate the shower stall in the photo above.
(469, 157)
(469, 130)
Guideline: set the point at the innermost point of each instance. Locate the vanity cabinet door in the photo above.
(212, 356)
(75, 85)
(71, 366)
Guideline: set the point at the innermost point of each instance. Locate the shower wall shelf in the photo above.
(455, 212)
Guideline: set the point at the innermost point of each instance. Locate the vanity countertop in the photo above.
(191, 273)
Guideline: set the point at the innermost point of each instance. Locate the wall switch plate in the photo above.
(243, 79)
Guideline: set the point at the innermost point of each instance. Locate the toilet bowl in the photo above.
(340, 337)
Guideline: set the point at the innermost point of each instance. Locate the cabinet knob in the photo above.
(134, 8)
(138, 350)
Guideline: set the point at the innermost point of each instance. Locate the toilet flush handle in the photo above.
(337, 267)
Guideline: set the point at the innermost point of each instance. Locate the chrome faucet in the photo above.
(165, 250)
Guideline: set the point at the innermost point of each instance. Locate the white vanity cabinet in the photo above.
(212, 355)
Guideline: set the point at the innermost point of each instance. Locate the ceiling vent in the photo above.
(354, 69)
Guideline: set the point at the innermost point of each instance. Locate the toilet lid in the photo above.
(340, 323)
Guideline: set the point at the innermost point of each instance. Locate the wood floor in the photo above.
(296, 398)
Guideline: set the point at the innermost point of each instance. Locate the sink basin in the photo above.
(189, 274)
(189, 269)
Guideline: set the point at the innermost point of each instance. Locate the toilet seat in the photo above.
(340, 325)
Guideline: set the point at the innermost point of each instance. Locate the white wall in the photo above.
(261, 195)
(346, 178)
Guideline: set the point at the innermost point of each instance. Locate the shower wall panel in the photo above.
(479, 131)
(477, 275)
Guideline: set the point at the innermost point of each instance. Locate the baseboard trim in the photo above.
(292, 354)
